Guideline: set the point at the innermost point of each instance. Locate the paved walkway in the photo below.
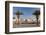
(25, 25)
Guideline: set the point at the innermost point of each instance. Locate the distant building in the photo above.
(21, 20)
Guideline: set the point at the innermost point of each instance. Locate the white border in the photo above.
(11, 29)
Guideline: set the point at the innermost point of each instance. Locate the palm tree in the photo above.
(37, 13)
(18, 13)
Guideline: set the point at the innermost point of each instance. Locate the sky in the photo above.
(27, 11)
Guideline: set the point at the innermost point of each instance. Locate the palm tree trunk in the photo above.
(37, 19)
(18, 19)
